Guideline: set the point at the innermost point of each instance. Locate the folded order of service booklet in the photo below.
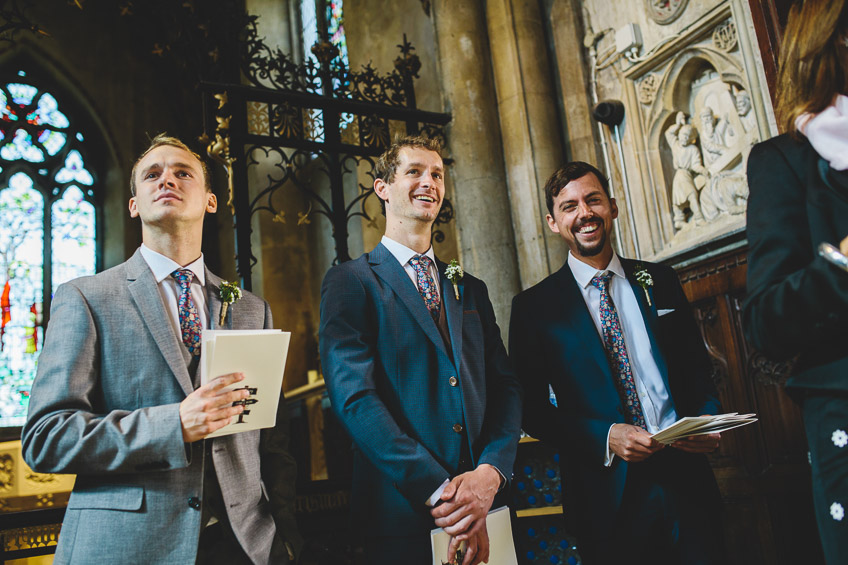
(501, 547)
(261, 356)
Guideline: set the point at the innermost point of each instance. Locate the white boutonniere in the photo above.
(643, 277)
(454, 273)
(229, 293)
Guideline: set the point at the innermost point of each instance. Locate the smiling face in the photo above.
(170, 189)
(416, 192)
(583, 216)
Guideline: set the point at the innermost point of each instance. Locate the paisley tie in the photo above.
(617, 356)
(426, 286)
(189, 319)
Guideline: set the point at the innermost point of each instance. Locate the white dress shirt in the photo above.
(657, 405)
(403, 254)
(169, 289)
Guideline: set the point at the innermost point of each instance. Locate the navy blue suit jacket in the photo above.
(554, 341)
(389, 374)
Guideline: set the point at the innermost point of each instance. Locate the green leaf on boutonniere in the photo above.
(643, 277)
(454, 273)
(229, 293)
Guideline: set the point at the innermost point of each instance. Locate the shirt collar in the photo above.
(403, 253)
(162, 266)
(584, 273)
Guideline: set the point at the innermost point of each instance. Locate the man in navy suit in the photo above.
(624, 360)
(417, 372)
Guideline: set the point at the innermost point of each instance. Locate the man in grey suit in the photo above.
(117, 400)
(418, 375)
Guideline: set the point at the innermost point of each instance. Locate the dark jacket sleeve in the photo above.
(795, 298)
(279, 469)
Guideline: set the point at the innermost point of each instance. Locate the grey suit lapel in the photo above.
(453, 311)
(145, 294)
(213, 303)
(387, 268)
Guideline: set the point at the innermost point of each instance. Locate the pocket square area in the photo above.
(664, 312)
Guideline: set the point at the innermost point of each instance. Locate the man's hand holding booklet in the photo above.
(261, 356)
(700, 425)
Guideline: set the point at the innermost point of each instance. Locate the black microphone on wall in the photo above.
(609, 112)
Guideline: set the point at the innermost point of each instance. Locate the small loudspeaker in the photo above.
(609, 112)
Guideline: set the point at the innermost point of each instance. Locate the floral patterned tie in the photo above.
(426, 286)
(617, 356)
(189, 319)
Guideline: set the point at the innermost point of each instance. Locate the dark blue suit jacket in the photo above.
(553, 341)
(388, 373)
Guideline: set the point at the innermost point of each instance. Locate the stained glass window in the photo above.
(334, 18)
(45, 184)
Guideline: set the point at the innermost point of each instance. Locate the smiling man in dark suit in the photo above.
(624, 360)
(418, 375)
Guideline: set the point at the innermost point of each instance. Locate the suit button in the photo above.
(457, 428)
(194, 502)
(453, 381)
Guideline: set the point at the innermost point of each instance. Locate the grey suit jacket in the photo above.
(105, 405)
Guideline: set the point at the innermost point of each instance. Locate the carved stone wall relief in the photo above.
(692, 107)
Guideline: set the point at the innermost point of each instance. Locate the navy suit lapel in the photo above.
(570, 300)
(649, 314)
(392, 273)
(145, 294)
(453, 310)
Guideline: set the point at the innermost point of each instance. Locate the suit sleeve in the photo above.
(64, 433)
(348, 343)
(795, 298)
(502, 424)
(540, 418)
(279, 469)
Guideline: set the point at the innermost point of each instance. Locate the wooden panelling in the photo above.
(762, 469)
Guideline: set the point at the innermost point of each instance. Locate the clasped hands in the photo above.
(634, 444)
(210, 407)
(462, 511)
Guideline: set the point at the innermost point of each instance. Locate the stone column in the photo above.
(532, 143)
(480, 198)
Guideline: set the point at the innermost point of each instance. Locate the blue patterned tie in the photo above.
(426, 286)
(189, 319)
(617, 356)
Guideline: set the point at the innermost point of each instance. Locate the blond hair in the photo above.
(812, 60)
(164, 139)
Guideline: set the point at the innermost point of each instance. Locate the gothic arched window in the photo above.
(48, 226)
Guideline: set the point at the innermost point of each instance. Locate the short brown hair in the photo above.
(164, 139)
(812, 69)
(387, 163)
(571, 171)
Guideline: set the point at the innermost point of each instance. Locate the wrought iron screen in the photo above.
(318, 117)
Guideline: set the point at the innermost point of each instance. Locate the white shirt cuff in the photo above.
(608, 458)
(434, 498)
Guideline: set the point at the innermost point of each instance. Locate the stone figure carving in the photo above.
(726, 192)
(689, 172)
(713, 131)
(744, 109)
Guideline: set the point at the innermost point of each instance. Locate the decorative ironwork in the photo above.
(31, 537)
(317, 127)
(13, 21)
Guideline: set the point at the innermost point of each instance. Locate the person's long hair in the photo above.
(813, 59)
